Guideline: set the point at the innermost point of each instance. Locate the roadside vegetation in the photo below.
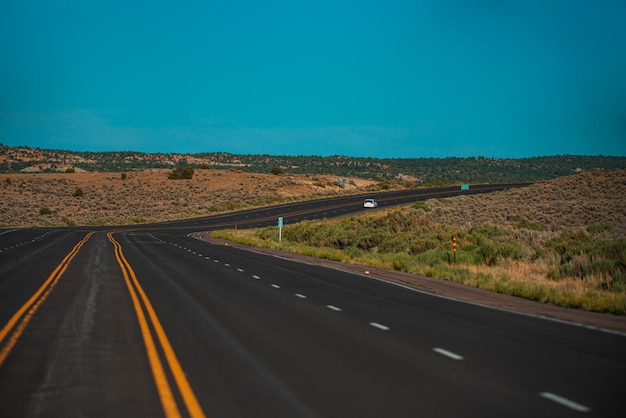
(569, 252)
(181, 173)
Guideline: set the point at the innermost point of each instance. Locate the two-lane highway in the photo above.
(328, 208)
(152, 322)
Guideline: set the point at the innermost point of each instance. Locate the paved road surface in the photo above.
(152, 322)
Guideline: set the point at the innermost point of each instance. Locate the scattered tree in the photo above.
(180, 173)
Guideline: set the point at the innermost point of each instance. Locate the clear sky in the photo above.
(362, 78)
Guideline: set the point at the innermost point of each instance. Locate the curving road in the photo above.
(151, 322)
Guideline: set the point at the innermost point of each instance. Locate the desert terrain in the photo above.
(84, 198)
(589, 198)
(51, 199)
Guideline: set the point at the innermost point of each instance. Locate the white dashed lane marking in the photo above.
(547, 395)
(448, 354)
(565, 402)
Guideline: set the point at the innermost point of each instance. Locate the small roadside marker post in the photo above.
(280, 229)
(454, 250)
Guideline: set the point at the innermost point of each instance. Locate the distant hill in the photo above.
(422, 171)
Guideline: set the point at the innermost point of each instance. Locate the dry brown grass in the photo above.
(148, 196)
(595, 197)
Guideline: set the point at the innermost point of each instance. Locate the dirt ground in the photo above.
(81, 198)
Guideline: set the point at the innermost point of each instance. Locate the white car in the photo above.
(370, 203)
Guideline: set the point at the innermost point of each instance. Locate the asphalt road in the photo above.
(152, 322)
(326, 208)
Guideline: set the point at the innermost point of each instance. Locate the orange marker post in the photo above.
(454, 249)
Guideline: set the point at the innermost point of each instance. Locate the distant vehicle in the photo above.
(370, 203)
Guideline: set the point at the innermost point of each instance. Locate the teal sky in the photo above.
(363, 78)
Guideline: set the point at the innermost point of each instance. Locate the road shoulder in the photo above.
(448, 289)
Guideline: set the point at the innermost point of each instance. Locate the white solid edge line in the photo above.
(379, 326)
(447, 353)
(538, 316)
(565, 402)
(495, 308)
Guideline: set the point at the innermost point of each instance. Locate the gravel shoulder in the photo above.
(608, 322)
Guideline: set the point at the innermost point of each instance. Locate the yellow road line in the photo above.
(165, 393)
(26, 312)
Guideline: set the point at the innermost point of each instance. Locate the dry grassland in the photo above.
(28, 200)
(592, 198)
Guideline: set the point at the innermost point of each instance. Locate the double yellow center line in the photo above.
(148, 322)
(22, 317)
(142, 307)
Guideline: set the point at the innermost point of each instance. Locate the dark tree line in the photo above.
(424, 170)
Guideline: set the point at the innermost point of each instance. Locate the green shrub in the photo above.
(526, 224)
(422, 205)
(68, 221)
(78, 192)
(228, 205)
(353, 252)
(488, 252)
(276, 171)
(181, 173)
(45, 211)
(267, 233)
(599, 228)
(434, 257)
(511, 251)
(568, 241)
